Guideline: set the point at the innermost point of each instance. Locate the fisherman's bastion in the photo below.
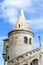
(19, 46)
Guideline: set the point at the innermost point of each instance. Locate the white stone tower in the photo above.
(20, 40)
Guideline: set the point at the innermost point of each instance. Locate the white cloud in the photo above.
(9, 8)
(36, 24)
(12, 14)
(17, 3)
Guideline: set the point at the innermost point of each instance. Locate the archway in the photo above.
(34, 62)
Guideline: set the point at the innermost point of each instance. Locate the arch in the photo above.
(30, 40)
(25, 40)
(34, 62)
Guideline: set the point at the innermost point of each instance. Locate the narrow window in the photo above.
(7, 48)
(19, 25)
(30, 41)
(25, 40)
(8, 57)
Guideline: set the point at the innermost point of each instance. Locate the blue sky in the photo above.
(9, 12)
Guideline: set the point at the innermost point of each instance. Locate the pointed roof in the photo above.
(21, 18)
(21, 22)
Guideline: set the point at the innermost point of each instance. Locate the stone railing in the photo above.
(22, 57)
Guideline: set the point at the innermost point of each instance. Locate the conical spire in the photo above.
(21, 22)
(21, 18)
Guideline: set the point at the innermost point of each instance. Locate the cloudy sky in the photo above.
(9, 12)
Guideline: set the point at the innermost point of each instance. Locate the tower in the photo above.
(20, 40)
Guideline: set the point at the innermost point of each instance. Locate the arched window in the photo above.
(8, 57)
(25, 40)
(30, 41)
(19, 25)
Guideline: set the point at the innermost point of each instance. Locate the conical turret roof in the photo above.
(21, 19)
(21, 22)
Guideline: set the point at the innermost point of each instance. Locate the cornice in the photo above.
(20, 31)
(6, 39)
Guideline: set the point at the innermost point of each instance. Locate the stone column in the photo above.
(39, 62)
(5, 62)
(28, 63)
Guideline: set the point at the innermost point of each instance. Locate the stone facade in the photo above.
(18, 48)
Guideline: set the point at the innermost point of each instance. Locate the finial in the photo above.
(22, 13)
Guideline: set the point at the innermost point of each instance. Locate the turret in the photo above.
(20, 38)
(21, 23)
(5, 51)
